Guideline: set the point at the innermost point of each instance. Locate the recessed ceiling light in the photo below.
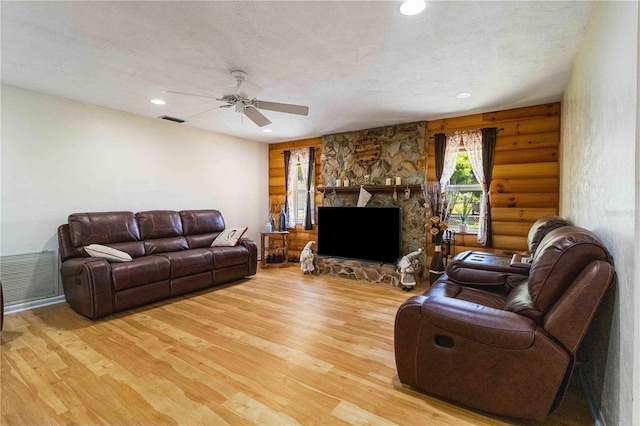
(158, 102)
(267, 130)
(412, 7)
(463, 95)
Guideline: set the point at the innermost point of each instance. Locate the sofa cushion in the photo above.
(161, 231)
(201, 227)
(229, 256)
(159, 224)
(163, 245)
(201, 240)
(143, 270)
(106, 252)
(104, 228)
(189, 262)
(201, 221)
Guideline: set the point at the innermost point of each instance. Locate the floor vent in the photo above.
(29, 277)
(174, 119)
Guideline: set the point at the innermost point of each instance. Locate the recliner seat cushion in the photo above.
(229, 256)
(143, 270)
(189, 262)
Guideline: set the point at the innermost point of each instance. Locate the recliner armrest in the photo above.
(253, 255)
(493, 327)
(75, 265)
(87, 286)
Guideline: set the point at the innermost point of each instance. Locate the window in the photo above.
(298, 163)
(464, 194)
(300, 198)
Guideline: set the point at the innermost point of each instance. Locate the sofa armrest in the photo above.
(253, 255)
(494, 327)
(87, 286)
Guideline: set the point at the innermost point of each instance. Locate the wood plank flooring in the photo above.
(279, 348)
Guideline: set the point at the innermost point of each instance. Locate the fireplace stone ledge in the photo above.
(361, 270)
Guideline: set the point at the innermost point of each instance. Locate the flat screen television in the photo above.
(366, 233)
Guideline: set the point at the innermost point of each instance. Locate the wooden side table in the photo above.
(266, 249)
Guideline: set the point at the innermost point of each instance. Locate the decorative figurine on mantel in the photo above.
(406, 267)
(306, 258)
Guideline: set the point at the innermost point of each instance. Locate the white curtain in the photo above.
(472, 143)
(452, 148)
(299, 157)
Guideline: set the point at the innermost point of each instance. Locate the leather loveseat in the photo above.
(509, 354)
(170, 253)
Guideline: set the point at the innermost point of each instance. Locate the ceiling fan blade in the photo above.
(288, 108)
(200, 114)
(248, 90)
(256, 116)
(188, 94)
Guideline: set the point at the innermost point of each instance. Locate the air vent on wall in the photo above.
(174, 119)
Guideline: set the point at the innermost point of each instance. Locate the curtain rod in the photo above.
(498, 129)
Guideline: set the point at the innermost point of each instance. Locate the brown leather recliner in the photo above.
(482, 269)
(507, 354)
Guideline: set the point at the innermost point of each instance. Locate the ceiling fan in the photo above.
(243, 98)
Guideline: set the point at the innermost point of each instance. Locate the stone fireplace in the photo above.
(373, 156)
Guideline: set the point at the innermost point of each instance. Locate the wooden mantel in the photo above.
(370, 188)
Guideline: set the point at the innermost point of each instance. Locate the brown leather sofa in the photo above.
(171, 255)
(508, 354)
(482, 269)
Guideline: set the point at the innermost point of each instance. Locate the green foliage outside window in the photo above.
(463, 202)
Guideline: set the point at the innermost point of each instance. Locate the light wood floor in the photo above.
(280, 348)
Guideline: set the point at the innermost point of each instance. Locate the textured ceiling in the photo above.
(356, 64)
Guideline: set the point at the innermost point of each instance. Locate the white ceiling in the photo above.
(356, 64)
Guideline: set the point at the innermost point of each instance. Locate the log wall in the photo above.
(298, 237)
(525, 182)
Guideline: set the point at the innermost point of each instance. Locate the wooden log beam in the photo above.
(521, 156)
(518, 229)
(529, 214)
(526, 171)
(527, 141)
(532, 199)
(510, 186)
(509, 242)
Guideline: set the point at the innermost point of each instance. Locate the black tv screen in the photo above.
(367, 233)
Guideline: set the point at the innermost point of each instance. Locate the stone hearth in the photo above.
(373, 272)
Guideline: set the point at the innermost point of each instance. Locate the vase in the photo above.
(282, 220)
(463, 227)
(437, 267)
(268, 227)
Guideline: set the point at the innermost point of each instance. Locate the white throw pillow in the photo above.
(229, 237)
(111, 254)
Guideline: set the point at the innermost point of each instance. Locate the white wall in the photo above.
(60, 156)
(598, 176)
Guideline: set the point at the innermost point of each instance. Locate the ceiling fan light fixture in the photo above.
(267, 130)
(158, 102)
(412, 7)
(463, 95)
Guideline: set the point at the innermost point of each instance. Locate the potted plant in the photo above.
(465, 210)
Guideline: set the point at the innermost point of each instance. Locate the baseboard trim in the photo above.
(18, 307)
